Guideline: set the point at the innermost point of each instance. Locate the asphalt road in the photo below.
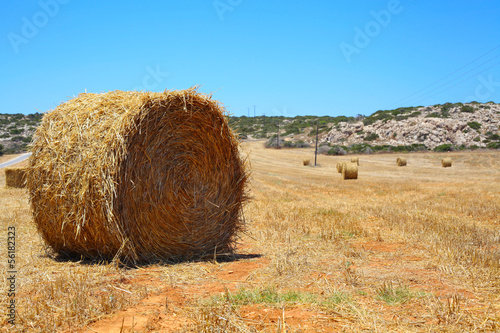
(15, 160)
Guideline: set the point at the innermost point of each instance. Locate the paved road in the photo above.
(15, 160)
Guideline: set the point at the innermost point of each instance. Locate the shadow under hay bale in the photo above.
(350, 171)
(401, 161)
(15, 177)
(139, 177)
(446, 162)
(355, 160)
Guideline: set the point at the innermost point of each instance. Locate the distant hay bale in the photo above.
(350, 171)
(306, 162)
(15, 177)
(446, 162)
(339, 167)
(401, 161)
(137, 176)
(355, 160)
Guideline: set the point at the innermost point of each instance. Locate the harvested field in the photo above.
(414, 249)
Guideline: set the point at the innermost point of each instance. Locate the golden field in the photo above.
(400, 249)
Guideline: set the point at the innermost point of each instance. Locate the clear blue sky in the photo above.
(324, 57)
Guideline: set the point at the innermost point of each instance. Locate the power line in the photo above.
(470, 77)
(411, 97)
(458, 77)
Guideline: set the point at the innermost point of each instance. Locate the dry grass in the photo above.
(400, 249)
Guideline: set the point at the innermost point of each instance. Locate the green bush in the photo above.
(18, 138)
(494, 137)
(493, 145)
(433, 115)
(15, 131)
(467, 108)
(444, 147)
(474, 125)
(371, 137)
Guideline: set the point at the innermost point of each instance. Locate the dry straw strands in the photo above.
(350, 171)
(446, 162)
(306, 162)
(401, 161)
(355, 160)
(15, 177)
(137, 176)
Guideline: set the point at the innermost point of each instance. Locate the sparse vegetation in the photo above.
(474, 125)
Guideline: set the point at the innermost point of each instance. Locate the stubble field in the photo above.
(400, 249)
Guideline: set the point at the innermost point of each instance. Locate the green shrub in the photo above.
(474, 125)
(467, 108)
(493, 145)
(444, 147)
(18, 138)
(15, 131)
(433, 115)
(371, 137)
(494, 137)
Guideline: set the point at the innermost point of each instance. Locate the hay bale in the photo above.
(339, 167)
(137, 176)
(350, 171)
(401, 161)
(355, 160)
(306, 162)
(15, 177)
(446, 162)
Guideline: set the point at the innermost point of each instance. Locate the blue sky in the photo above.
(327, 57)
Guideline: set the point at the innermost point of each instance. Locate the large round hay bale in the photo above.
(15, 177)
(355, 160)
(137, 176)
(401, 161)
(350, 171)
(446, 162)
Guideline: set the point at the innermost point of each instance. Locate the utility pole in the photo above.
(278, 142)
(248, 112)
(264, 126)
(254, 111)
(316, 151)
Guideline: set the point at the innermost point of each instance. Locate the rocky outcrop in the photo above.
(456, 124)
